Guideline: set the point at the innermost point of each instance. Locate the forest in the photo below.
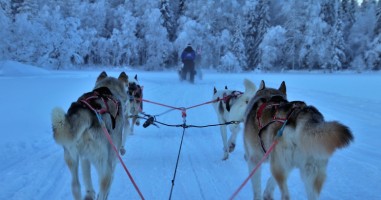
(228, 35)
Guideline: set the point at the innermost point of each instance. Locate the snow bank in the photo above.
(12, 68)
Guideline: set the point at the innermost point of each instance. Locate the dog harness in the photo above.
(227, 98)
(275, 118)
(104, 94)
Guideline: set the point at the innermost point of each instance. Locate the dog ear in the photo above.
(262, 85)
(249, 86)
(214, 90)
(136, 77)
(102, 76)
(282, 87)
(123, 77)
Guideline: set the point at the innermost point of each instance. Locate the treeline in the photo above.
(231, 36)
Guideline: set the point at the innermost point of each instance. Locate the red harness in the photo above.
(227, 98)
(274, 118)
(90, 102)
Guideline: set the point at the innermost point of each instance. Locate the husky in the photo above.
(135, 91)
(231, 106)
(134, 106)
(82, 136)
(307, 142)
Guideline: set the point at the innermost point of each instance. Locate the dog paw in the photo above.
(226, 156)
(231, 147)
(268, 197)
(122, 151)
(90, 195)
(137, 122)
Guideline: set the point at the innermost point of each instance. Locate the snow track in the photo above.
(32, 165)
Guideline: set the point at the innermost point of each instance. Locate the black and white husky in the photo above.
(231, 107)
(82, 136)
(134, 105)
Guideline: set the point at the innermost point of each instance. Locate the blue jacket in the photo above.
(188, 54)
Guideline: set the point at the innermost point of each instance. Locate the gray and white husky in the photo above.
(307, 143)
(82, 137)
(231, 107)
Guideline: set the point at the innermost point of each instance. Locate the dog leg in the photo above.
(86, 171)
(269, 190)
(126, 129)
(313, 175)
(280, 173)
(105, 178)
(255, 179)
(72, 162)
(234, 129)
(224, 141)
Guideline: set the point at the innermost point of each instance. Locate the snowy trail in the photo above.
(32, 165)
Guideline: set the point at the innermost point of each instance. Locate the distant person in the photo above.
(188, 57)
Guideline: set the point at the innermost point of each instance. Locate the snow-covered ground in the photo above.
(32, 165)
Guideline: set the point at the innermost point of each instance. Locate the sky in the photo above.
(32, 165)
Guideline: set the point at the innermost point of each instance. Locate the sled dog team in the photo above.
(307, 141)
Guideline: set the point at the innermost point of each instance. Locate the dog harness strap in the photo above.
(102, 110)
(275, 119)
(259, 114)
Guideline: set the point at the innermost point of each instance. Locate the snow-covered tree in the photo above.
(347, 15)
(377, 28)
(271, 48)
(168, 19)
(4, 32)
(155, 43)
(296, 27)
(362, 32)
(229, 63)
(258, 23)
(338, 59)
(237, 46)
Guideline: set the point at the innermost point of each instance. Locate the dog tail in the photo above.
(67, 129)
(326, 137)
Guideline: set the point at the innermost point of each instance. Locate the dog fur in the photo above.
(135, 91)
(307, 143)
(134, 105)
(232, 110)
(81, 135)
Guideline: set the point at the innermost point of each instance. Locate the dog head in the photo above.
(116, 85)
(265, 94)
(134, 89)
(268, 93)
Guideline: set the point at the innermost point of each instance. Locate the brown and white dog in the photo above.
(307, 143)
(231, 107)
(81, 135)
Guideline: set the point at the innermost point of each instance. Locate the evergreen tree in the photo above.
(377, 29)
(362, 32)
(250, 39)
(182, 7)
(4, 32)
(295, 26)
(347, 15)
(258, 24)
(168, 20)
(238, 46)
(338, 59)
